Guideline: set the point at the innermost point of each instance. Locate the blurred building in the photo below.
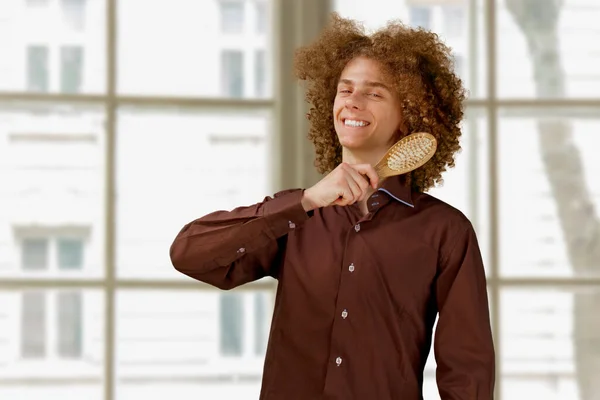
(177, 160)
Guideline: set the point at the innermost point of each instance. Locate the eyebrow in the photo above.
(367, 83)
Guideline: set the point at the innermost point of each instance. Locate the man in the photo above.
(364, 267)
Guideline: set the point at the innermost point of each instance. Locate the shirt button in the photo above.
(351, 268)
(344, 314)
(357, 227)
(292, 225)
(338, 361)
(241, 250)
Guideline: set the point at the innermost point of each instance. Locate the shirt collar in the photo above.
(394, 187)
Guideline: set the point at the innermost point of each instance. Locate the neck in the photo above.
(362, 157)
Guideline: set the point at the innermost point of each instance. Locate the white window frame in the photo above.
(294, 22)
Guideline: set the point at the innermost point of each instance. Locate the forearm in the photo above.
(228, 248)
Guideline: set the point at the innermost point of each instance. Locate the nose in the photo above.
(353, 102)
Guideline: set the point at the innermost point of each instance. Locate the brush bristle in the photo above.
(410, 153)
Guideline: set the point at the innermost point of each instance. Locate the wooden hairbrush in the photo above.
(407, 154)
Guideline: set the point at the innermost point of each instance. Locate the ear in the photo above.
(401, 131)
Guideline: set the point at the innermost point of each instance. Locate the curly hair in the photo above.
(420, 68)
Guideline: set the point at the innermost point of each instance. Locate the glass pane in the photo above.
(466, 186)
(33, 327)
(459, 24)
(168, 346)
(74, 13)
(32, 323)
(262, 16)
(185, 57)
(262, 321)
(454, 17)
(52, 188)
(232, 16)
(70, 325)
(71, 58)
(549, 192)
(33, 3)
(420, 16)
(549, 343)
(70, 254)
(34, 254)
(33, 35)
(260, 68)
(231, 323)
(209, 160)
(232, 73)
(546, 50)
(37, 68)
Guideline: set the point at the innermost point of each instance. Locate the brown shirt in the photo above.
(358, 295)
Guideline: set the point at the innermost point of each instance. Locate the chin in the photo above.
(354, 144)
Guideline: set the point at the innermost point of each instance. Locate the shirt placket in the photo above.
(340, 355)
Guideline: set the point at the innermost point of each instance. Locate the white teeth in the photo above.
(350, 122)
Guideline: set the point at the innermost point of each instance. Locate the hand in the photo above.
(343, 186)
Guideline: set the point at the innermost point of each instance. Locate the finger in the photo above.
(345, 196)
(369, 171)
(361, 180)
(354, 187)
(357, 183)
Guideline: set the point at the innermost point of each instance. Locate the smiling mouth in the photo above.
(355, 123)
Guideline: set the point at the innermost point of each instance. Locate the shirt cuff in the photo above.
(285, 212)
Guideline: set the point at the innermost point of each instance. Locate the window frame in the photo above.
(293, 23)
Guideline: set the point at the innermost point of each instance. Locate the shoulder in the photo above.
(441, 213)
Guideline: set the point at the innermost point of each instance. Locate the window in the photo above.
(69, 325)
(454, 20)
(51, 330)
(420, 17)
(58, 273)
(459, 65)
(232, 16)
(52, 250)
(73, 12)
(261, 331)
(260, 78)
(262, 20)
(33, 325)
(243, 321)
(70, 253)
(37, 69)
(232, 324)
(232, 69)
(37, 3)
(71, 67)
(34, 254)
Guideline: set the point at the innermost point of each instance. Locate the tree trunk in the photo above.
(538, 20)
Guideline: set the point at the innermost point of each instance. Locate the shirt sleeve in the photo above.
(463, 346)
(227, 249)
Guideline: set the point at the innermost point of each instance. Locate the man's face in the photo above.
(366, 111)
